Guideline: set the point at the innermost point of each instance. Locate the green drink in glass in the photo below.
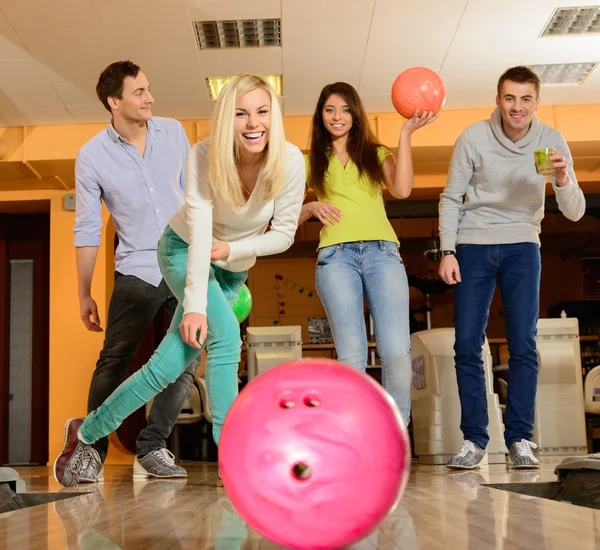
(543, 164)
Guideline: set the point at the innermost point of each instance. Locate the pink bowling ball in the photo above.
(314, 454)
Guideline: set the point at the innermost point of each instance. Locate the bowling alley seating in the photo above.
(560, 410)
(591, 391)
(435, 403)
(559, 413)
(268, 347)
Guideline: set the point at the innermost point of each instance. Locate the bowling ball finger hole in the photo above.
(287, 401)
(312, 400)
(301, 471)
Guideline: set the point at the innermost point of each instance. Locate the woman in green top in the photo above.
(358, 248)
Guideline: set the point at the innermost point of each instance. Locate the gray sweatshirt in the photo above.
(503, 193)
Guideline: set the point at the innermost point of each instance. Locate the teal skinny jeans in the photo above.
(223, 345)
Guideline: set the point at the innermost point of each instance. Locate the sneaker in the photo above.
(94, 473)
(76, 457)
(521, 456)
(159, 463)
(471, 456)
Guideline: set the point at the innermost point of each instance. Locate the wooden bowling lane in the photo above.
(440, 510)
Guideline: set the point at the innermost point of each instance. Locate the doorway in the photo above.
(24, 337)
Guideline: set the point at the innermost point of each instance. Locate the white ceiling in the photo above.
(52, 51)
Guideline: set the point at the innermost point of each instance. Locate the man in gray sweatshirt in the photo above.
(490, 216)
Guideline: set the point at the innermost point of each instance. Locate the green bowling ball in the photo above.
(243, 304)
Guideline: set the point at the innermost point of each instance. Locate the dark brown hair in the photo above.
(361, 145)
(112, 81)
(520, 75)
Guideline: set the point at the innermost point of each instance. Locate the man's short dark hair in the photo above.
(520, 75)
(112, 81)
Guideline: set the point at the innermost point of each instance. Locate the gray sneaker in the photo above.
(521, 456)
(159, 463)
(94, 473)
(76, 457)
(471, 456)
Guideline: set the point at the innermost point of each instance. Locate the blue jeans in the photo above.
(348, 272)
(173, 356)
(517, 268)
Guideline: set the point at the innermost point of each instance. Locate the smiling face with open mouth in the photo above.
(337, 117)
(252, 121)
(517, 103)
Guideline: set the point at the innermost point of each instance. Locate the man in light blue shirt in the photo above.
(137, 167)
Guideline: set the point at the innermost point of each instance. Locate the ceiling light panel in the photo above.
(215, 84)
(574, 21)
(244, 33)
(563, 73)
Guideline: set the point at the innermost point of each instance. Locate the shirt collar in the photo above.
(114, 135)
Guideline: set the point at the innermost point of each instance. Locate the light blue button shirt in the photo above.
(141, 193)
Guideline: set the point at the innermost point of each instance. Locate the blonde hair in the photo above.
(223, 150)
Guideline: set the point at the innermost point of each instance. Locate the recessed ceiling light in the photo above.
(563, 73)
(574, 21)
(244, 33)
(215, 84)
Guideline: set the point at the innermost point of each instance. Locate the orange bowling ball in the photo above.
(418, 88)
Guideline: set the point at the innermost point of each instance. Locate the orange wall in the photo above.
(577, 123)
(298, 307)
(73, 350)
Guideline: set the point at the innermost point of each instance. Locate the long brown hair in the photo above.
(361, 145)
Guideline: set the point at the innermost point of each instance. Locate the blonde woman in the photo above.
(243, 179)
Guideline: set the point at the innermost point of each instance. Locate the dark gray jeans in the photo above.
(133, 306)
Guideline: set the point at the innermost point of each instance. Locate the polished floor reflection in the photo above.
(440, 510)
